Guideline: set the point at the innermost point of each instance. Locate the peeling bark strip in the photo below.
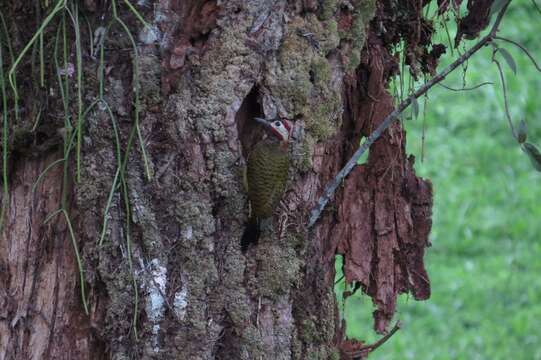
(477, 20)
(384, 210)
(170, 260)
(414, 277)
(40, 310)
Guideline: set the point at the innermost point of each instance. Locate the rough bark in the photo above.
(205, 69)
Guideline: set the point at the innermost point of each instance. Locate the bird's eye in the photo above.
(277, 123)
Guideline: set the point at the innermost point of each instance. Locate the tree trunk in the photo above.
(158, 235)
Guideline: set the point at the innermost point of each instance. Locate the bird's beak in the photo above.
(262, 121)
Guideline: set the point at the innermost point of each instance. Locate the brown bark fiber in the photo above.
(40, 310)
(384, 212)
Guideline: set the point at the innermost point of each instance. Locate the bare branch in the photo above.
(384, 339)
(365, 350)
(536, 6)
(467, 88)
(331, 187)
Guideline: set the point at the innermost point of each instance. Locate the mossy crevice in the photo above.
(306, 77)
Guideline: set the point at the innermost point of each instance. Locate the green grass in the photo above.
(485, 262)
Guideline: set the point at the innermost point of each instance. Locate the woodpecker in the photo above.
(266, 175)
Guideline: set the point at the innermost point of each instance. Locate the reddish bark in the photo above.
(477, 19)
(198, 18)
(39, 293)
(384, 211)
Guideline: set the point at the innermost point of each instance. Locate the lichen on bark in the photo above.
(170, 265)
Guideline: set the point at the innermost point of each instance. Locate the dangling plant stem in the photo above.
(5, 130)
(12, 60)
(69, 138)
(136, 96)
(74, 15)
(11, 74)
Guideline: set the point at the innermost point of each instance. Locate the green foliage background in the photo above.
(485, 259)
